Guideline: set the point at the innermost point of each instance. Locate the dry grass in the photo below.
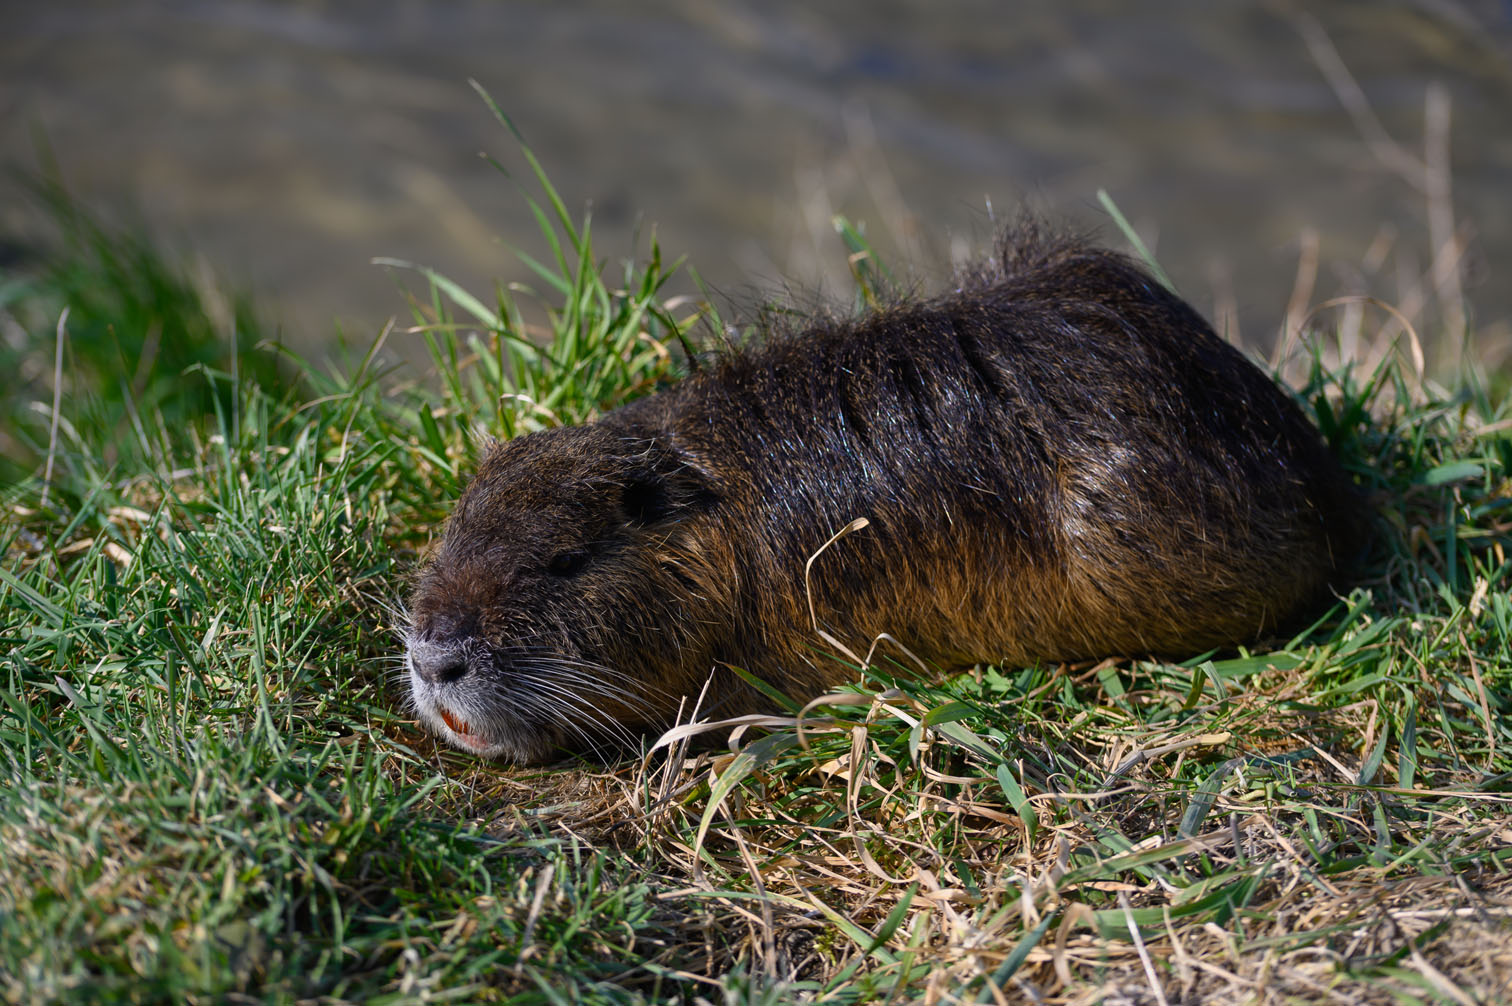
(921, 878)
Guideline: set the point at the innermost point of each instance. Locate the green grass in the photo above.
(211, 792)
(139, 327)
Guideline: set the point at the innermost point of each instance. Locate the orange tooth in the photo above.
(460, 726)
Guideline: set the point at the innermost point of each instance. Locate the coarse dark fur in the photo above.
(1058, 460)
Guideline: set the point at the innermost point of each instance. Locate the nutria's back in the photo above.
(1059, 460)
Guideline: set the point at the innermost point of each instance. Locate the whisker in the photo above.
(597, 673)
(569, 701)
(560, 712)
(592, 716)
(627, 697)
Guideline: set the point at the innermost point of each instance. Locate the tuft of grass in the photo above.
(143, 337)
(209, 790)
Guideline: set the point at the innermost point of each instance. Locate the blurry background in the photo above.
(290, 142)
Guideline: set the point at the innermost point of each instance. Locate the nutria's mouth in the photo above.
(465, 735)
(459, 726)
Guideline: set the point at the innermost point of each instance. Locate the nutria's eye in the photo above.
(567, 563)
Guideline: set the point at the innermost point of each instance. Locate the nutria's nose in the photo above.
(437, 663)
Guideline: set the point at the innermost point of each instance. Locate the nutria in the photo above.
(1058, 460)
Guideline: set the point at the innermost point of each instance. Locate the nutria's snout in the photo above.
(462, 686)
(1058, 461)
(438, 667)
(473, 698)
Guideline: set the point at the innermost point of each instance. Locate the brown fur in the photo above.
(1059, 460)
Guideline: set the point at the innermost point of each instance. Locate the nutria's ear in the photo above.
(668, 488)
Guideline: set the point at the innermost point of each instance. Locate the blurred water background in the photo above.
(1368, 141)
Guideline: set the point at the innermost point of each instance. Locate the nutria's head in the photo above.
(571, 601)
